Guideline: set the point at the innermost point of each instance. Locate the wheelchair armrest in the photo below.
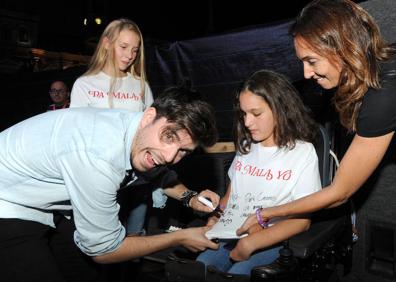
(325, 225)
(178, 270)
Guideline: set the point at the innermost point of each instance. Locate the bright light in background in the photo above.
(97, 20)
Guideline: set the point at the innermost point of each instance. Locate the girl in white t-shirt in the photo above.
(275, 163)
(116, 78)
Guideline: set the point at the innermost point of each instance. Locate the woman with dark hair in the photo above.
(275, 164)
(341, 47)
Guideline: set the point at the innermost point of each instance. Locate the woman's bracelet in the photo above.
(261, 222)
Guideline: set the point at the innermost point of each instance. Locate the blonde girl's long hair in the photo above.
(103, 55)
(342, 30)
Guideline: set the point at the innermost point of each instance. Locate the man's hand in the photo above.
(212, 220)
(195, 240)
(198, 206)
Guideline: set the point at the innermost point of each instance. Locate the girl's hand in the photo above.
(242, 250)
(248, 226)
(251, 225)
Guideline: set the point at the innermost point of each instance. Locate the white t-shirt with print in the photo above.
(267, 177)
(93, 91)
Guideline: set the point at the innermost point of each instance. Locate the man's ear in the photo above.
(148, 116)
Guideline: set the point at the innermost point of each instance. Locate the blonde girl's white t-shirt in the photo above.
(267, 177)
(93, 90)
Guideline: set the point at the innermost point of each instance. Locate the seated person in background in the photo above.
(58, 188)
(275, 163)
(60, 94)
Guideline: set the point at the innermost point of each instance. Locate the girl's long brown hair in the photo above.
(292, 121)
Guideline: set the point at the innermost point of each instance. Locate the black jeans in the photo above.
(33, 252)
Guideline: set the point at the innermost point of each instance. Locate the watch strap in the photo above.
(186, 197)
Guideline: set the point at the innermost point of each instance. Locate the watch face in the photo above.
(186, 197)
(188, 193)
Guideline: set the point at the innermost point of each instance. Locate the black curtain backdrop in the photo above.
(215, 67)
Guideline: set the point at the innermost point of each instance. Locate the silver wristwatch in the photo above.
(186, 197)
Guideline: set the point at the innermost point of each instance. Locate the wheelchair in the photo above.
(314, 255)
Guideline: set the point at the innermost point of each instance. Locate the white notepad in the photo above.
(227, 225)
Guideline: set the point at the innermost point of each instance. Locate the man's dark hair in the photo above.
(187, 110)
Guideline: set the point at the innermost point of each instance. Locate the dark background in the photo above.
(61, 22)
(59, 28)
(170, 29)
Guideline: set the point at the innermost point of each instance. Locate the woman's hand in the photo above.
(198, 206)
